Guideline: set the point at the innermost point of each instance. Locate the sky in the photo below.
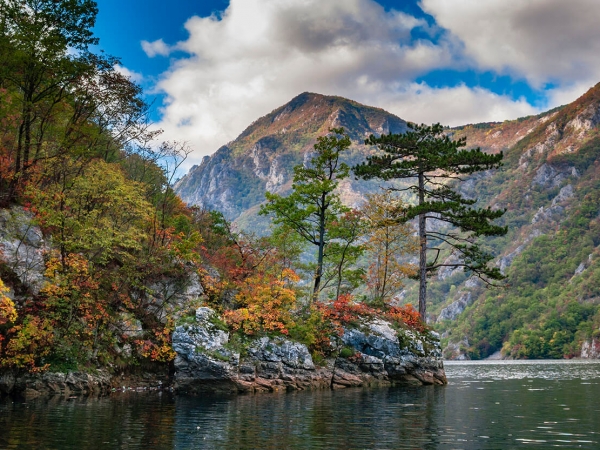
(212, 67)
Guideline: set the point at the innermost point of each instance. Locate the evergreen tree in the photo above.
(427, 154)
(313, 207)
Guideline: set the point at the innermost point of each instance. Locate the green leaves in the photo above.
(428, 155)
(313, 207)
(424, 149)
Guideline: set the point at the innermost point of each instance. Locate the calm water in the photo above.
(487, 405)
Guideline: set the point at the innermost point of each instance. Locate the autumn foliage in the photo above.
(344, 311)
(121, 249)
(266, 302)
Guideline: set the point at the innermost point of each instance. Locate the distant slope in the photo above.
(235, 178)
(550, 186)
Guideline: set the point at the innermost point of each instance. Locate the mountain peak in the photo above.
(236, 177)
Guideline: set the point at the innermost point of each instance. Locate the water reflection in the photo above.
(325, 419)
(124, 421)
(486, 405)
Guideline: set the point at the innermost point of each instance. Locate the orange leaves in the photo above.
(345, 311)
(266, 303)
(160, 348)
(406, 314)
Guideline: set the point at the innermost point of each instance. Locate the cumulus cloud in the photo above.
(543, 41)
(155, 48)
(258, 54)
(452, 106)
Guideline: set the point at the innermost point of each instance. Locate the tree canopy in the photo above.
(428, 156)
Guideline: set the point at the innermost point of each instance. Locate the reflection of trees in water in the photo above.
(123, 421)
(470, 413)
(344, 419)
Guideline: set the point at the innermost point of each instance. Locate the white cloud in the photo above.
(136, 77)
(451, 105)
(259, 54)
(155, 48)
(543, 41)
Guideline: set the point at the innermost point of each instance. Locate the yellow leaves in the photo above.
(8, 313)
(29, 341)
(388, 241)
(266, 303)
(160, 348)
(99, 211)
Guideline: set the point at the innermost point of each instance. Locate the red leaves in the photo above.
(406, 314)
(344, 311)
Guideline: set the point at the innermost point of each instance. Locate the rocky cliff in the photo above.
(234, 179)
(549, 188)
(374, 354)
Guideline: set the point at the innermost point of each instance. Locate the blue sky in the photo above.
(214, 66)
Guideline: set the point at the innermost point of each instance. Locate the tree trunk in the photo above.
(422, 253)
(319, 271)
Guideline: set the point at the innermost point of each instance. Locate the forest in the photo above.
(79, 157)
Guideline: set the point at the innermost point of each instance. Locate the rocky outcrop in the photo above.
(55, 383)
(590, 349)
(456, 308)
(22, 249)
(457, 350)
(375, 354)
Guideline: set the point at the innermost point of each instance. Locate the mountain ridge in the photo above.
(261, 158)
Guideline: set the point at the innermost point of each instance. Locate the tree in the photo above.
(387, 241)
(428, 154)
(37, 39)
(345, 248)
(65, 99)
(313, 206)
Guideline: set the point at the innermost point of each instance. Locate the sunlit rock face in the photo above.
(235, 178)
(207, 360)
(22, 248)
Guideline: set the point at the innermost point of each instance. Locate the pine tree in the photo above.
(313, 208)
(429, 156)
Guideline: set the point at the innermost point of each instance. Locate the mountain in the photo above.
(234, 179)
(549, 186)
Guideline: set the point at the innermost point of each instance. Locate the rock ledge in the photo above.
(207, 362)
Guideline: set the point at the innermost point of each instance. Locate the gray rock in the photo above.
(456, 350)
(505, 262)
(590, 349)
(55, 383)
(564, 194)
(22, 247)
(383, 355)
(456, 308)
(547, 176)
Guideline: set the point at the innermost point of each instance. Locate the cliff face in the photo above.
(549, 188)
(235, 178)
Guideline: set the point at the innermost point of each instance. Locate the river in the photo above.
(486, 405)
